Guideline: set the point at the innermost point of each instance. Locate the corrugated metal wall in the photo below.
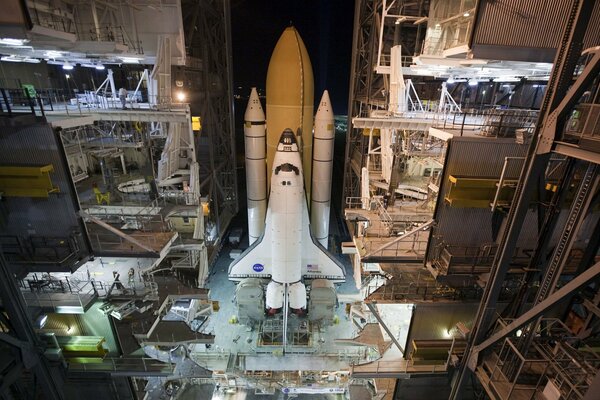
(484, 158)
(512, 29)
(476, 158)
(56, 216)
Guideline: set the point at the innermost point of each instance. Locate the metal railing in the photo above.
(21, 101)
(489, 123)
(111, 243)
(49, 292)
(49, 19)
(107, 33)
(422, 289)
(583, 123)
(124, 365)
(75, 103)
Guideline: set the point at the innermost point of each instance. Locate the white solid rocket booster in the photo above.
(322, 164)
(256, 167)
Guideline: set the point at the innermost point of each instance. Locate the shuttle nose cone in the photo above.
(325, 110)
(287, 137)
(254, 110)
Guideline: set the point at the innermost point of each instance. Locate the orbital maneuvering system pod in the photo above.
(287, 252)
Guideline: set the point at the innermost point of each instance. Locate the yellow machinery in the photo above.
(196, 124)
(436, 351)
(101, 197)
(82, 346)
(27, 181)
(478, 192)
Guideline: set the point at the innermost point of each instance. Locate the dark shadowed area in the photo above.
(325, 27)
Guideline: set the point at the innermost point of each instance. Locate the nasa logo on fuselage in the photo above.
(258, 267)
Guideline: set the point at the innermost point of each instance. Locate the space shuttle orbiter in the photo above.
(287, 254)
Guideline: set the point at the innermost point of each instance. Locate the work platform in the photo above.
(79, 117)
(418, 122)
(128, 366)
(399, 369)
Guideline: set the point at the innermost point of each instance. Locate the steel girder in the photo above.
(547, 131)
(213, 40)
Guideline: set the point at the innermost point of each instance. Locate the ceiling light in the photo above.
(67, 66)
(180, 96)
(40, 321)
(13, 42)
(53, 54)
(100, 67)
(472, 82)
(10, 59)
(507, 79)
(130, 60)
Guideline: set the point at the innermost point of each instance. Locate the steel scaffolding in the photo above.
(506, 370)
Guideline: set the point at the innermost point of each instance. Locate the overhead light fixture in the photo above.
(41, 321)
(13, 42)
(130, 60)
(53, 54)
(10, 59)
(67, 66)
(180, 96)
(99, 67)
(450, 80)
(473, 82)
(507, 79)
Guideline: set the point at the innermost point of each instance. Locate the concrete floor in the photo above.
(206, 390)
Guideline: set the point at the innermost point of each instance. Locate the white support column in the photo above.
(161, 73)
(122, 157)
(111, 81)
(397, 103)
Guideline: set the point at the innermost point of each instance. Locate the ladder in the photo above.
(578, 209)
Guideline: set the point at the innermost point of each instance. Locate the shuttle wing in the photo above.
(317, 262)
(255, 261)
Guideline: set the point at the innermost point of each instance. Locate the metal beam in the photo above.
(536, 311)
(556, 118)
(116, 231)
(373, 308)
(567, 56)
(575, 151)
(592, 307)
(31, 353)
(399, 238)
(593, 389)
